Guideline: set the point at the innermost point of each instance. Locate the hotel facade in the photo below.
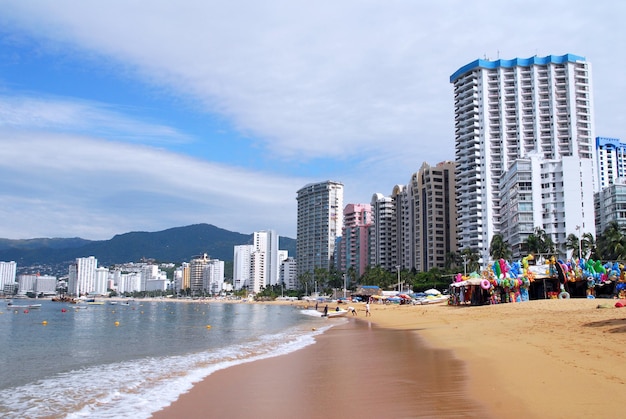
(320, 219)
(524, 150)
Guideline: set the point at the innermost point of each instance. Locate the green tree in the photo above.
(573, 243)
(540, 243)
(611, 244)
(499, 248)
(471, 259)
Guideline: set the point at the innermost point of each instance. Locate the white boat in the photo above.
(34, 306)
(312, 313)
(336, 313)
(331, 313)
(433, 299)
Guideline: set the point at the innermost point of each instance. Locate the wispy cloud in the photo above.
(82, 116)
(358, 88)
(62, 185)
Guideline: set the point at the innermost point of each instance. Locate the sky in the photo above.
(128, 115)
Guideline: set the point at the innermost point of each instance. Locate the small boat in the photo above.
(34, 306)
(95, 303)
(113, 303)
(336, 313)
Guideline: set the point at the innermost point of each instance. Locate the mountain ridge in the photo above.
(176, 244)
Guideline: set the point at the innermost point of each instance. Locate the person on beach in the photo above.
(367, 310)
(352, 310)
(326, 310)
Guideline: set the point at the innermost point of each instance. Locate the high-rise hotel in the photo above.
(524, 150)
(320, 219)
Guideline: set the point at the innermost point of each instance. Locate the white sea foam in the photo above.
(136, 389)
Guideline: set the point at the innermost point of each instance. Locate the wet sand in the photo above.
(355, 369)
(538, 359)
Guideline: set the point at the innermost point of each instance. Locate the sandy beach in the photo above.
(540, 359)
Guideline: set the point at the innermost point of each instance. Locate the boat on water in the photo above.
(336, 313)
(95, 303)
(113, 303)
(34, 306)
(330, 314)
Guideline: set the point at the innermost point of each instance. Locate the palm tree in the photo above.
(611, 243)
(574, 244)
(588, 245)
(540, 243)
(470, 259)
(499, 248)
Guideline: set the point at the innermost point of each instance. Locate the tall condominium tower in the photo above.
(538, 108)
(433, 215)
(383, 232)
(611, 161)
(82, 276)
(320, 219)
(8, 272)
(355, 239)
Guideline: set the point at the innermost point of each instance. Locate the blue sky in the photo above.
(125, 116)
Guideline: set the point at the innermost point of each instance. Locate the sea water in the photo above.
(116, 361)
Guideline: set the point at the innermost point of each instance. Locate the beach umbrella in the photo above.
(432, 291)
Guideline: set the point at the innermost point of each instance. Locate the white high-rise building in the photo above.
(320, 218)
(288, 274)
(241, 266)
(267, 242)
(213, 276)
(611, 154)
(507, 110)
(82, 276)
(383, 232)
(8, 272)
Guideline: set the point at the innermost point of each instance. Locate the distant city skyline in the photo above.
(116, 117)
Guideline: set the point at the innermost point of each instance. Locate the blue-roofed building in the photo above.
(611, 154)
(539, 109)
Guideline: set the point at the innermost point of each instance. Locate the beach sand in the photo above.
(538, 359)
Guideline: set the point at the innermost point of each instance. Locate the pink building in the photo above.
(354, 245)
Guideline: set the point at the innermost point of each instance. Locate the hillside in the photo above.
(177, 244)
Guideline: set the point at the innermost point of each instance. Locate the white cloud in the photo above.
(64, 185)
(362, 82)
(322, 78)
(81, 116)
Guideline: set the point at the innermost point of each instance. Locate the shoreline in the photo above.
(542, 358)
(355, 367)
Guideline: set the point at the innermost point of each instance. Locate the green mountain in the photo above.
(176, 245)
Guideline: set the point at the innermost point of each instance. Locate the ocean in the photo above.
(128, 361)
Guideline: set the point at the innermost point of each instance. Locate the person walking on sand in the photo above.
(326, 310)
(352, 310)
(367, 310)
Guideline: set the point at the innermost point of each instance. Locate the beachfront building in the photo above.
(431, 220)
(266, 242)
(354, 243)
(196, 272)
(213, 276)
(506, 110)
(8, 271)
(383, 232)
(241, 265)
(82, 276)
(402, 229)
(611, 154)
(36, 284)
(320, 218)
(610, 206)
(289, 274)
